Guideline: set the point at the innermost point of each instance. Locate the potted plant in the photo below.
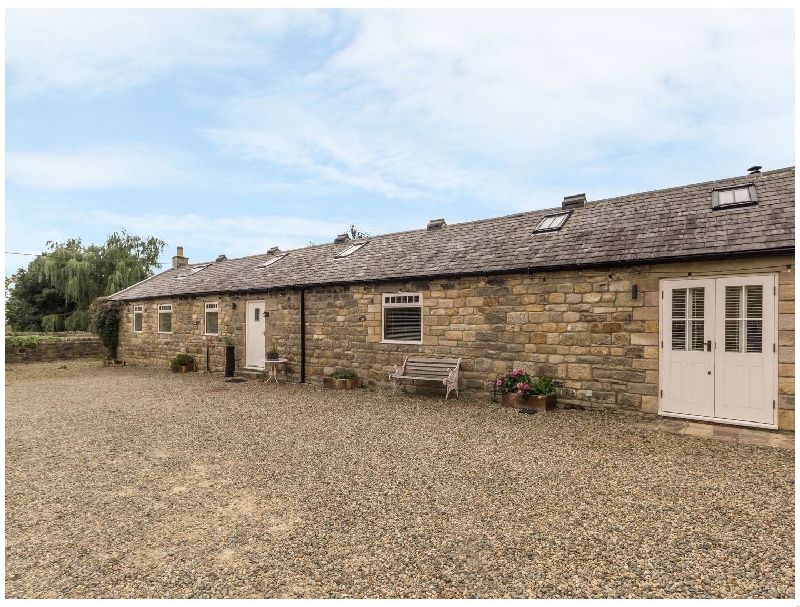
(183, 363)
(518, 389)
(272, 354)
(344, 379)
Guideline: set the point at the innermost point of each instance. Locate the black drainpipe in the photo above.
(302, 336)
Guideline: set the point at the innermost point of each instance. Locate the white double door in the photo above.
(718, 349)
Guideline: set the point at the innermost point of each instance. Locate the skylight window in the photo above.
(350, 250)
(737, 196)
(551, 223)
(269, 262)
(194, 270)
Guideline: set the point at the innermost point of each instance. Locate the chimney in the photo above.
(341, 238)
(222, 257)
(273, 251)
(436, 224)
(179, 260)
(576, 201)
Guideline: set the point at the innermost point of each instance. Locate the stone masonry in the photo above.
(581, 327)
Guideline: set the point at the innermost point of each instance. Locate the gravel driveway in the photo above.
(135, 482)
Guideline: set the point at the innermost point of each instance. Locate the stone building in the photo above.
(676, 301)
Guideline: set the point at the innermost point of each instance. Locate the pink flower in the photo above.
(513, 374)
(526, 387)
(499, 382)
(520, 371)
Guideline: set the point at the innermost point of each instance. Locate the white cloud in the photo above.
(493, 104)
(96, 168)
(97, 50)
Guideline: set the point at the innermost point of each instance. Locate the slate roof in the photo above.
(663, 225)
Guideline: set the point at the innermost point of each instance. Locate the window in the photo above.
(269, 262)
(738, 196)
(165, 318)
(743, 318)
(137, 319)
(193, 271)
(551, 223)
(212, 318)
(402, 317)
(688, 319)
(350, 250)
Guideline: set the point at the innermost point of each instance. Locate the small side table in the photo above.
(273, 367)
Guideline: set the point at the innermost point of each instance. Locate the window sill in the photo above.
(410, 343)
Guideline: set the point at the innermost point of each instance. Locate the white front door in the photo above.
(745, 357)
(718, 341)
(254, 335)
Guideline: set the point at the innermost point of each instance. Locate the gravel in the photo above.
(136, 482)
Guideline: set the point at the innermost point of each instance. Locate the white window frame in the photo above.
(350, 250)
(552, 222)
(399, 304)
(269, 262)
(165, 309)
(752, 196)
(140, 311)
(212, 307)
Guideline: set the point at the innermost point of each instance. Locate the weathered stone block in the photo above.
(644, 339)
(579, 371)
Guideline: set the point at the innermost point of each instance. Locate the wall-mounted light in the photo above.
(362, 318)
(265, 314)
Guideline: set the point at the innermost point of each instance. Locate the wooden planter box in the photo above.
(537, 403)
(185, 368)
(341, 384)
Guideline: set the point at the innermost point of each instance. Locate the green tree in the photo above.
(55, 291)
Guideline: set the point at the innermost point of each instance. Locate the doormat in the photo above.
(527, 411)
(234, 381)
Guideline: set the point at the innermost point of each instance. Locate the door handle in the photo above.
(708, 345)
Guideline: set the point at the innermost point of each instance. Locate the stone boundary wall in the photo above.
(64, 346)
(581, 327)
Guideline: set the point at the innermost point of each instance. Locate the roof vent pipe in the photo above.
(179, 260)
(273, 251)
(754, 170)
(436, 224)
(222, 257)
(341, 238)
(576, 201)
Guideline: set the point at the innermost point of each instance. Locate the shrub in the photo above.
(105, 314)
(26, 341)
(181, 359)
(344, 374)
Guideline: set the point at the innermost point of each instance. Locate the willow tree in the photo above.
(77, 275)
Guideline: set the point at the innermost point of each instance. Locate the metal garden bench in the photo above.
(430, 369)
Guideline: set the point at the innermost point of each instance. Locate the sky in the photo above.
(233, 131)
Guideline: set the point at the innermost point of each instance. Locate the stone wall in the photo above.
(62, 346)
(581, 327)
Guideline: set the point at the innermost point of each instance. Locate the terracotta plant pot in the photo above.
(185, 368)
(537, 403)
(341, 384)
